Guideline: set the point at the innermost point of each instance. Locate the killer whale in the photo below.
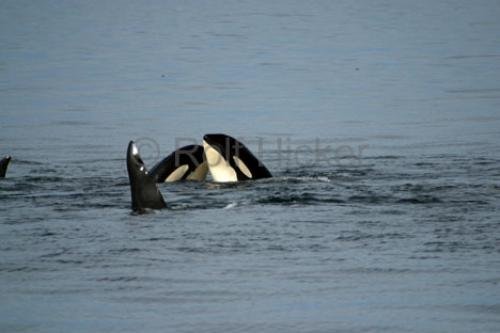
(186, 163)
(4, 163)
(143, 187)
(230, 160)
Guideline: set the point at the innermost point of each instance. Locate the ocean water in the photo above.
(379, 120)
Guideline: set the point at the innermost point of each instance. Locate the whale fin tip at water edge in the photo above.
(4, 163)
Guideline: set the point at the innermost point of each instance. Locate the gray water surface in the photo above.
(378, 119)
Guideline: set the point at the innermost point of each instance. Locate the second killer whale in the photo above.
(229, 160)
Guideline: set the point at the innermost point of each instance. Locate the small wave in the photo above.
(304, 179)
(331, 200)
(25, 162)
(377, 270)
(124, 250)
(47, 234)
(72, 123)
(69, 261)
(145, 212)
(18, 269)
(422, 188)
(231, 205)
(392, 212)
(299, 199)
(118, 279)
(448, 246)
(382, 157)
(277, 248)
(53, 254)
(357, 236)
(289, 199)
(44, 179)
(422, 199)
(13, 187)
(190, 249)
(369, 199)
(156, 239)
(354, 172)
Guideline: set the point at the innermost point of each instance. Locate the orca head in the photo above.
(143, 188)
(221, 145)
(4, 163)
(228, 159)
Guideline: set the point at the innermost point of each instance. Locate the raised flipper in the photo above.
(145, 192)
(4, 163)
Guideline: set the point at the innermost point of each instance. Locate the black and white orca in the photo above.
(4, 163)
(230, 161)
(186, 163)
(145, 192)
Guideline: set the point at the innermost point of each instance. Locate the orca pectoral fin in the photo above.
(180, 165)
(249, 164)
(144, 190)
(243, 167)
(200, 173)
(4, 163)
(178, 174)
